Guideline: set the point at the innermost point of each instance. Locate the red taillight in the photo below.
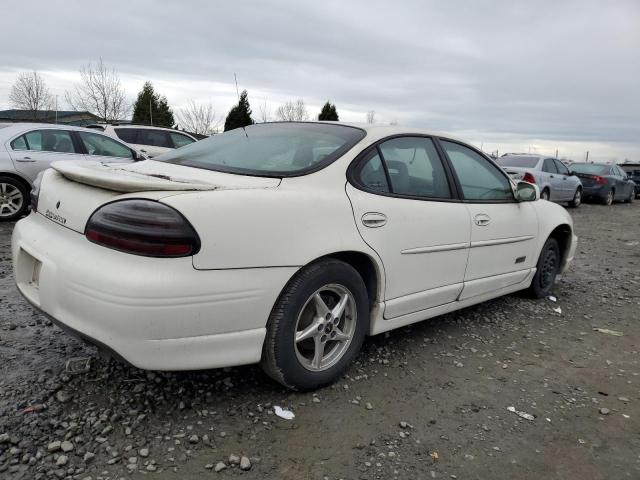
(599, 180)
(528, 177)
(142, 227)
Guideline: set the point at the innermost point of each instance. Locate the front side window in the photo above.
(480, 179)
(154, 138)
(269, 149)
(180, 140)
(49, 141)
(562, 169)
(101, 145)
(414, 167)
(548, 166)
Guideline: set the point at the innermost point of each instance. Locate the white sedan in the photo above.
(281, 243)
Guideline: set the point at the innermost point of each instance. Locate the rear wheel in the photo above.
(545, 194)
(546, 270)
(608, 200)
(577, 198)
(13, 199)
(317, 326)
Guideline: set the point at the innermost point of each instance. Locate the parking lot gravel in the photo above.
(512, 388)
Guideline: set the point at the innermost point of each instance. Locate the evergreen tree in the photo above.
(328, 112)
(152, 109)
(240, 115)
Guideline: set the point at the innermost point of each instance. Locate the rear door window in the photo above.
(19, 143)
(50, 141)
(129, 135)
(154, 138)
(180, 140)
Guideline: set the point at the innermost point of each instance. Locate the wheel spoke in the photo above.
(321, 307)
(338, 310)
(3, 188)
(15, 194)
(310, 331)
(340, 336)
(12, 208)
(318, 353)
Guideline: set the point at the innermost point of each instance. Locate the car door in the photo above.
(34, 151)
(566, 183)
(625, 185)
(551, 176)
(503, 232)
(405, 209)
(104, 149)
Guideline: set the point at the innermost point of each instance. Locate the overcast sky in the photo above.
(508, 75)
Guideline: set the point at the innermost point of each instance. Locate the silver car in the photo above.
(26, 149)
(554, 179)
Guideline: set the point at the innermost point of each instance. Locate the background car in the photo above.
(282, 243)
(633, 173)
(26, 149)
(604, 182)
(152, 141)
(551, 175)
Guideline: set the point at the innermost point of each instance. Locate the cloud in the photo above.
(550, 72)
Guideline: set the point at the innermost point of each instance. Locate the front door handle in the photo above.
(374, 219)
(24, 160)
(482, 219)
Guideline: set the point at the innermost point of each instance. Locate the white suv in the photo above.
(152, 141)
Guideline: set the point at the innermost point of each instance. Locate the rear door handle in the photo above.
(24, 160)
(482, 219)
(374, 219)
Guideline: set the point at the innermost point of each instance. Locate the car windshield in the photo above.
(269, 149)
(590, 168)
(524, 162)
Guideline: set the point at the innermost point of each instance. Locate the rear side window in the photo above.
(479, 178)
(548, 166)
(19, 143)
(101, 145)
(128, 135)
(50, 141)
(180, 140)
(414, 167)
(154, 138)
(371, 174)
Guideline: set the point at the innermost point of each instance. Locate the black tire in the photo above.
(281, 354)
(10, 208)
(546, 270)
(631, 197)
(545, 194)
(577, 199)
(608, 200)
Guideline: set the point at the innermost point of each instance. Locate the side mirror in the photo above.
(572, 173)
(527, 192)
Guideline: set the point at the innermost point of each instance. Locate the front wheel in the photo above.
(546, 270)
(14, 199)
(631, 197)
(317, 326)
(577, 199)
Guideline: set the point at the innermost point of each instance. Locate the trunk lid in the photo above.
(517, 173)
(72, 190)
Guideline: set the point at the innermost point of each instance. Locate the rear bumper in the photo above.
(157, 314)
(599, 191)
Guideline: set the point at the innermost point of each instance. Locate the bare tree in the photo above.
(371, 116)
(29, 92)
(265, 112)
(199, 118)
(99, 92)
(292, 111)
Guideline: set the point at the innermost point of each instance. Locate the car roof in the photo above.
(133, 125)
(10, 129)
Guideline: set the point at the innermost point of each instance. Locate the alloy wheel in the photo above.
(325, 327)
(609, 200)
(577, 198)
(11, 200)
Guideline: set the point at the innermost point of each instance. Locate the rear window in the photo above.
(522, 162)
(269, 149)
(590, 168)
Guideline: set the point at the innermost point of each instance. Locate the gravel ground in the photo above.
(428, 401)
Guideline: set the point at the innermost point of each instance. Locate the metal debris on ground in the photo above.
(552, 298)
(525, 415)
(608, 332)
(558, 310)
(283, 413)
(78, 365)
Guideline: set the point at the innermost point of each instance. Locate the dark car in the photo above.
(633, 172)
(604, 183)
